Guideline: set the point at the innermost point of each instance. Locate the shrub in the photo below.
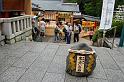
(119, 25)
(110, 33)
(98, 34)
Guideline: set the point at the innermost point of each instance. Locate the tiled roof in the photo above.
(91, 18)
(87, 17)
(47, 5)
(56, 5)
(69, 7)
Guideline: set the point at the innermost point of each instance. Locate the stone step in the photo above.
(2, 43)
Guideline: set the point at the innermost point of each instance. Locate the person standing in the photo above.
(42, 26)
(65, 31)
(56, 32)
(60, 30)
(35, 30)
(69, 33)
(76, 32)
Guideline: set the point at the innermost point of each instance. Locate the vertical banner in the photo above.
(80, 64)
(107, 14)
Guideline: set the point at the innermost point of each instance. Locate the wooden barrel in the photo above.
(81, 60)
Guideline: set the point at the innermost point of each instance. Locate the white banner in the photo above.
(107, 14)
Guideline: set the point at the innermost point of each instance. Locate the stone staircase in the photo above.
(2, 40)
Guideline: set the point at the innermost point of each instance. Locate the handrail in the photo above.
(113, 36)
(111, 28)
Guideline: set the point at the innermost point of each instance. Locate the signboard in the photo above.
(76, 13)
(80, 64)
(88, 24)
(50, 15)
(64, 15)
(107, 14)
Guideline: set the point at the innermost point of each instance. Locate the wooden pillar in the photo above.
(71, 17)
(28, 7)
(122, 38)
(72, 20)
(57, 16)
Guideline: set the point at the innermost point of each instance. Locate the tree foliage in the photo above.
(92, 7)
(71, 1)
(119, 27)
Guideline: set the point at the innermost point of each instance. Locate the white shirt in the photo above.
(76, 27)
(68, 28)
(42, 24)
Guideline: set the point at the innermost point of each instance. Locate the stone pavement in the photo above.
(51, 40)
(116, 41)
(46, 62)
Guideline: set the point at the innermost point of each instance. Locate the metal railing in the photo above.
(112, 43)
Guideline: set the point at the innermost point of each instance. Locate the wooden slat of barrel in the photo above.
(89, 64)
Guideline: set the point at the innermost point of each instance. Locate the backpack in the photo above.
(77, 30)
(80, 27)
(56, 30)
(64, 30)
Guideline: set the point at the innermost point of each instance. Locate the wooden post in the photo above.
(103, 40)
(28, 7)
(71, 18)
(122, 38)
(113, 37)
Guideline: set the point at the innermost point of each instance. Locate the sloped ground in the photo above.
(46, 62)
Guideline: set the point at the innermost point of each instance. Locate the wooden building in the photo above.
(88, 23)
(12, 8)
(55, 11)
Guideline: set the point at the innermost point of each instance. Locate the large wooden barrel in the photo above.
(81, 60)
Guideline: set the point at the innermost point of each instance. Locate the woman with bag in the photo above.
(76, 32)
(56, 32)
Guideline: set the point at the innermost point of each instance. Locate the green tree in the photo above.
(119, 27)
(81, 4)
(71, 1)
(93, 7)
(119, 2)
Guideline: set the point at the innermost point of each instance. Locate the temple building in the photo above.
(55, 10)
(12, 8)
